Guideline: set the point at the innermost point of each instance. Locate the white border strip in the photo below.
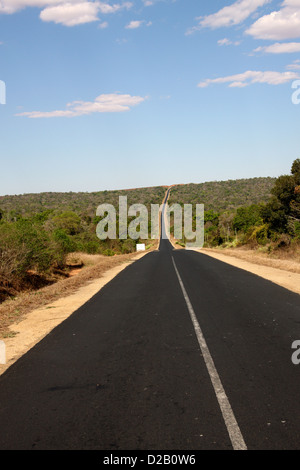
(233, 429)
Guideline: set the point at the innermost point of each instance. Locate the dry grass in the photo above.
(286, 259)
(13, 310)
(83, 259)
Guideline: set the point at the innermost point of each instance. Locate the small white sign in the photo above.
(140, 247)
(2, 353)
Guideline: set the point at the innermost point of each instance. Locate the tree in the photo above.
(247, 217)
(68, 221)
(284, 207)
(284, 189)
(274, 214)
(296, 171)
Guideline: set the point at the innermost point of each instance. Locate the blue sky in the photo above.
(123, 94)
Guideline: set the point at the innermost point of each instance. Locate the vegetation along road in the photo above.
(179, 351)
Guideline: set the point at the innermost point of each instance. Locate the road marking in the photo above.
(233, 429)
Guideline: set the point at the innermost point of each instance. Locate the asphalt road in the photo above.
(178, 352)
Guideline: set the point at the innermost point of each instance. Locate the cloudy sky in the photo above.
(123, 94)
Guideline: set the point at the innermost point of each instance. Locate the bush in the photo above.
(128, 246)
(259, 234)
(108, 252)
(68, 221)
(297, 229)
(24, 246)
(246, 217)
(66, 244)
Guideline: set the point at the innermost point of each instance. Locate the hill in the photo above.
(221, 196)
(80, 202)
(215, 195)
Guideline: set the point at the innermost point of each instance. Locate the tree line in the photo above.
(272, 222)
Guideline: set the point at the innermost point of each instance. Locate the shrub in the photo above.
(246, 217)
(108, 252)
(259, 234)
(128, 246)
(68, 221)
(297, 229)
(66, 244)
(24, 246)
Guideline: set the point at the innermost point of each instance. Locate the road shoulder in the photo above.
(288, 279)
(282, 272)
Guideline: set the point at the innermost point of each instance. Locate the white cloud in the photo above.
(294, 66)
(103, 25)
(251, 77)
(66, 12)
(228, 42)
(280, 48)
(134, 24)
(11, 6)
(224, 42)
(107, 8)
(109, 103)
(278, 25)
(230, 15)
(150, 3)
(70, 14)
(121, 41)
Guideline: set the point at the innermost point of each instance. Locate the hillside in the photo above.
(80, 202)
(216, 195)
(224, 195)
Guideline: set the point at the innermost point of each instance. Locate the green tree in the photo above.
(284, 189)
(274, 214)
(247, 217)
(284, 208)
(68, 221)
(64, 241)
(296, 171)
(211, 216)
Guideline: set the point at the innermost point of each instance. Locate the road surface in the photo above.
(178, 352)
